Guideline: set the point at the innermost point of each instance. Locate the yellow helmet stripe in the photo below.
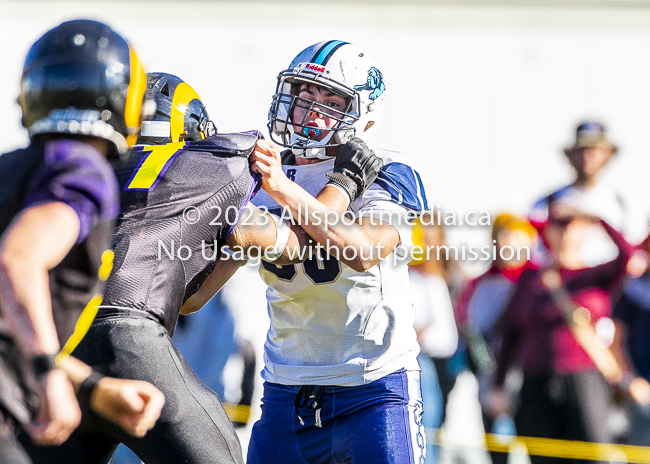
(183, 95)
(134, 96)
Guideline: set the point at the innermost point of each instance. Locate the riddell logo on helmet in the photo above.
(315, 67)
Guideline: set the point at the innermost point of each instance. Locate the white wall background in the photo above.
(482, 97)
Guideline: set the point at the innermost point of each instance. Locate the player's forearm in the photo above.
(359, 245)
(366, 244)
(373, 240)
(222, 272)
(298, 248)
(334, 199)
(257, 235)
(304, 207)
(76, 370)
(25, 296)
(38, 240)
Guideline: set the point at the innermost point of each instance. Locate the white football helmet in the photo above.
(341, 68)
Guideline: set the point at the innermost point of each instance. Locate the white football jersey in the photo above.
(331, 325)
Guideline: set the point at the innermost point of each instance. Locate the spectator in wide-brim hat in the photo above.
(589, 154)
(591, 134)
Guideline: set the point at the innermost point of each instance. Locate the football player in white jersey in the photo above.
(341, 376)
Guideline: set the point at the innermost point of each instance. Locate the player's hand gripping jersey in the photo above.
(350, 328)
(178, 199)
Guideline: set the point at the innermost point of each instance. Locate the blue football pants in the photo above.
(376, 423)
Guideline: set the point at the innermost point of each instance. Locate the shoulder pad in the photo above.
(237, 144)
(402, 183)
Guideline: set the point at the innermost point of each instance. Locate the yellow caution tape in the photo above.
(547, 447)
(554, 448)
(237, 412)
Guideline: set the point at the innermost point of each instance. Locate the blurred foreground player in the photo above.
(58, 199)
(341, 375)
(182, 195)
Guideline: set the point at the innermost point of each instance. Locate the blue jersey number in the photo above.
(281, 272)
(321, 270)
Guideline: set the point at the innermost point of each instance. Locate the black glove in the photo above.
(356, 167)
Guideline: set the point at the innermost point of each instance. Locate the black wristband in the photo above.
(43, 363)
(347, 184)
(87, 388)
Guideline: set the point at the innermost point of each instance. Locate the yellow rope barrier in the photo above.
(574, 449)
(554, 448)
(547, 447)
(237, 412)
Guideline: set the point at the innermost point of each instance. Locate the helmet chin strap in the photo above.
(310, 153)
(303, 147)
(306, 148)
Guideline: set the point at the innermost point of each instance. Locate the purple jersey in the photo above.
(74, 173)
(211, 178)
(77, 175)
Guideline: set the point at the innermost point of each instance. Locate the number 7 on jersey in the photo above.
(153, 165)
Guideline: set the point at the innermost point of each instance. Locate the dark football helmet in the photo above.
(83, 78)
(180, 114)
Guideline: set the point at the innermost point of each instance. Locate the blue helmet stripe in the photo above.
(326, 51)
